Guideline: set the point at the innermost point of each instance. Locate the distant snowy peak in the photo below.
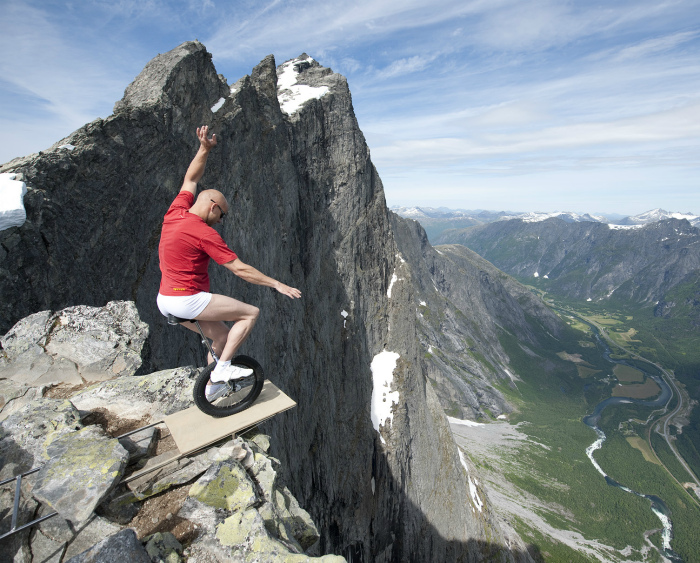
(431, 212)
(567, 216)
(659, 215)
(482, 216)
(410, 212)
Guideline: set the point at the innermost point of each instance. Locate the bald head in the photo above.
(211, 206)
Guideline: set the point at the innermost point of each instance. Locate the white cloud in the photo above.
(406, 66)
(47, 64)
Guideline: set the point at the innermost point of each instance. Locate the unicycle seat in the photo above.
(173, 320)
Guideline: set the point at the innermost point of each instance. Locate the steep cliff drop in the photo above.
(368, 451)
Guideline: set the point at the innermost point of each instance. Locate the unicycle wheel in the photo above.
(241, 392)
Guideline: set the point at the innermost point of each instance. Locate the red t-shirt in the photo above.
(186, 244)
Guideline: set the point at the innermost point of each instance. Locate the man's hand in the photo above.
(206, 143)
(292, 292)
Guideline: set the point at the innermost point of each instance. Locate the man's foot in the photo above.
(229, 372)
(215, 390)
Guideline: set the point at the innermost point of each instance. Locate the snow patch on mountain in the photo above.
(383, 399)
(292, 95)
(568, 216)
(12, 192)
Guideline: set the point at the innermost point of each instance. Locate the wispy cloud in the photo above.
(654, 46)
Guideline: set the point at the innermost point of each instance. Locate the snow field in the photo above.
(12, 192)
(473, 491)
(383, 366)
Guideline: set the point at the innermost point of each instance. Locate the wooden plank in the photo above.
(192, 429)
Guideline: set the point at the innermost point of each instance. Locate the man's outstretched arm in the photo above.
(251, 275)
(196, 169)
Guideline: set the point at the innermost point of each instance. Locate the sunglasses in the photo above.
(220, 210)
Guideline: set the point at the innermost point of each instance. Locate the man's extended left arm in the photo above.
(251, 275)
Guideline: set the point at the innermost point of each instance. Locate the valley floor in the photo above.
(497, 449)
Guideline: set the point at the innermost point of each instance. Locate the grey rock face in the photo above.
(248, 517)
(83, 467)
(154, 395)
(26, 434)
(309, 209)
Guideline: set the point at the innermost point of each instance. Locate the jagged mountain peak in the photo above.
(184, 75)
(302, 79)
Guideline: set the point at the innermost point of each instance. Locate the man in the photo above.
(187, 243)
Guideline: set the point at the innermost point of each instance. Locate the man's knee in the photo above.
(255, 313)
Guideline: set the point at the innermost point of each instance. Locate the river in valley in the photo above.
(658, 506)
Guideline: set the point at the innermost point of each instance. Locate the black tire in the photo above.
(242, 394)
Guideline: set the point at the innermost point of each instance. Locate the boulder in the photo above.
(14, 395)
(180, 471)
(140, 445)
(225, 486)
(245, 514)
(75, 345)
(247, 537)
(163, 548)
(26, 434)
(122, 546)
(88, 535)
(83, 468)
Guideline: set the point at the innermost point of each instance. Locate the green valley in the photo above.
(586, 518)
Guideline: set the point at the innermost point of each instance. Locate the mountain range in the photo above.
(437, 220)
(589, 261)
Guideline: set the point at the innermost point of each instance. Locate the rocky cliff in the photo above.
(463, 306)
(307, 207)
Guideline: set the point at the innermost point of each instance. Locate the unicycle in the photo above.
(241, 393)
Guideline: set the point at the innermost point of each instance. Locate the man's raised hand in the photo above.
(206, 142)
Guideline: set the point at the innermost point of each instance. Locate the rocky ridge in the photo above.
(309, 209)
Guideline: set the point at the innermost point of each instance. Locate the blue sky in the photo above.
(491, 104)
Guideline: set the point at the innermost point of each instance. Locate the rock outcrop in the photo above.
(229, 501)
(307, 206)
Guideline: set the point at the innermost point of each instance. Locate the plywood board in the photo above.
(192, 429)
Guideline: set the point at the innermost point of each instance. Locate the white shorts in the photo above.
(183, 306)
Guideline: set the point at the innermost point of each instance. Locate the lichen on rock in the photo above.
(83, 468)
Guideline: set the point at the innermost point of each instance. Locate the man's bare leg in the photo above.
(225, 341)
